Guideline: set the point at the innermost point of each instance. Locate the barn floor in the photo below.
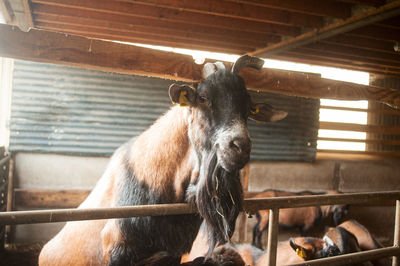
(20, 255)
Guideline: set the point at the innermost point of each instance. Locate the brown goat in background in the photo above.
(303, 218)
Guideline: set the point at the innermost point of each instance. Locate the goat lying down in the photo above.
(303, 218)
(348, 237)
(365, 240)
(192, 153)
(295, 250)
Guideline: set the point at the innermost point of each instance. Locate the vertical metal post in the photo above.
(243, 216)
(10, 197)
(272, 236)
(396, 232)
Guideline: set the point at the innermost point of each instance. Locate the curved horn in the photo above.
(210, 68)
(247, 61)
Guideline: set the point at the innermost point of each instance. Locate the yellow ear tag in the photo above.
(255, 112)
(301, 253)
(183, 100)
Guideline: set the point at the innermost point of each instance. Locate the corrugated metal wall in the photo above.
(78, 111)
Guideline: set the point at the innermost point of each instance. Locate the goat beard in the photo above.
(219, 200)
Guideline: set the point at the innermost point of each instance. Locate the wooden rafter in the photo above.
(325, 8)
(42, 12)
(57, 48)
(334, 61)
(143, 11)
(361, 42)
(384, 12)
(129, 26)
(237, 10)
(366, 2)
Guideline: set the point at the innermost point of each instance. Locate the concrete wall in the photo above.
(49, 171)
(345, 175)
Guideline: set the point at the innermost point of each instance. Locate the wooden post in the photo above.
(396, 232)
(273, 230)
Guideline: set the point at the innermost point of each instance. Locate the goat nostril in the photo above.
(235, 144)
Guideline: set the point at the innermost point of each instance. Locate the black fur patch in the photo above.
(145, 236)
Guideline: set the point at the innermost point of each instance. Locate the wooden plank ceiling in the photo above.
(352, 34)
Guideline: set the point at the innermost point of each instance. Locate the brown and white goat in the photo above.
(190, 154)
(224, 255)
(346, 242)
(303, 218)
(365, 240)
(295, 250)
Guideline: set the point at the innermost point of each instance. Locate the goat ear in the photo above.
(300, 251)
(185, 95)
(262, 112)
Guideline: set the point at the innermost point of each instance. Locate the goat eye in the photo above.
(203, 100)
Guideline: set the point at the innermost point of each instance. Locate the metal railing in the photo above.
(250, 206)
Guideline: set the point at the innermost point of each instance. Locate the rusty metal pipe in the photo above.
(250, 205)
(273, 229)
(396, 241)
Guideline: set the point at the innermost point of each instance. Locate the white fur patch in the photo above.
(328, 241)
(226, 134)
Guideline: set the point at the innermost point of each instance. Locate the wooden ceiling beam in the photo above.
(384, 12)
(143, 38)
(361, 42)
(375, 3)
(169, 35)
(237, 10)
(377, 32)
(57, 48)
(129, 22)
(238, 37)
(335, 62)
(354, 61)
(305, 85)
(349, 59)
(137, 10)
(314, 7)
(395, 21)
(352, 53)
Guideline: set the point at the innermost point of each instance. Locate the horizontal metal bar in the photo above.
(250, 205)
(353, 257)
(5, 160)
(63, 215)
